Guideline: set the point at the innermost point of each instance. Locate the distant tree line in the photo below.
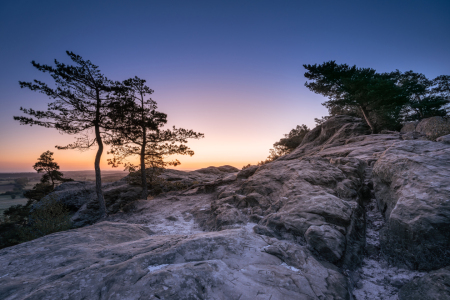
(101, 111)
(19, 185)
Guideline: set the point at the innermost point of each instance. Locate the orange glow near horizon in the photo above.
(213, 151)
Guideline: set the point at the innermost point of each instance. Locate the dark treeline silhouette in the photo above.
(383, 100)
(285, 145)
(86, 102)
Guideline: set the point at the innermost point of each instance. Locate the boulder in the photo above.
(444, 139)
(247, 172)
(409, 127)
(81, 199)
(327, 241)
(292, 196)
(412, 187)
(433, 286)
(434, 127)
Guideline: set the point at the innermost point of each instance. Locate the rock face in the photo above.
(306, 226)
(435, 285)
(412, 186)
(444, 139)
(81, 198)
(432, 128)
(123, 261)
(290, 197)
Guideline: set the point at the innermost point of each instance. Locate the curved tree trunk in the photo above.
(366, 117)
(98, 177)
(143, 173)
(143, 146)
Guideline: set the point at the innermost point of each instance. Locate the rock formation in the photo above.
(347, 215)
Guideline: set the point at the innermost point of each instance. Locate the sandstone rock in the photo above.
(412, 186)
(434, 127)
(247, 172)
(204, 175)
(123, 261)
(327, 241)
(414, 136)
(80, 197)
(444, 139)
(297, 194)
(409, 127)
(332, 133)
(343, 136)
(433, 286)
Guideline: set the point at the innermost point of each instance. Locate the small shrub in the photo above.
(49, 217)
(246, 166)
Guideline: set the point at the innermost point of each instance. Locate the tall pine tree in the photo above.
(141, 134)
(83, 101)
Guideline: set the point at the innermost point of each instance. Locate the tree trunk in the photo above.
(366, 117)
(143, 145)
(98, 177)
(143, 173)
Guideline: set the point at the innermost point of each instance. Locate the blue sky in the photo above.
(230, 69)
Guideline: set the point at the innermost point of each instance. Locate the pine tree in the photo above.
(83, 101)
(141, 134)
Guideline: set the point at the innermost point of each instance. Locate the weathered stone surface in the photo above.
(412, 186)
(208, 174)
(123, 261)
(433, 286)
(444, 139)
(288, 197)
(326, 240)
(414, 136)
(81, 198)
(409, 127)
(434, 127)
(247, 172)
(344, 136)
(332, 133)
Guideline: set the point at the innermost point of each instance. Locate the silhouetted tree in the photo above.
(83, 100)
(376, 96)
(141, 134)
(427, 98)
(287, 144)
(51, 176)
(383, 100)
(291, 140)
(49, 167)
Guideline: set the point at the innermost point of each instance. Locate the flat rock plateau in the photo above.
(347, 215)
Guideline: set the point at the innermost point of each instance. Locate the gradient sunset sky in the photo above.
(230, 69)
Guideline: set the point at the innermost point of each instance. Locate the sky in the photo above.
(232, 70)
